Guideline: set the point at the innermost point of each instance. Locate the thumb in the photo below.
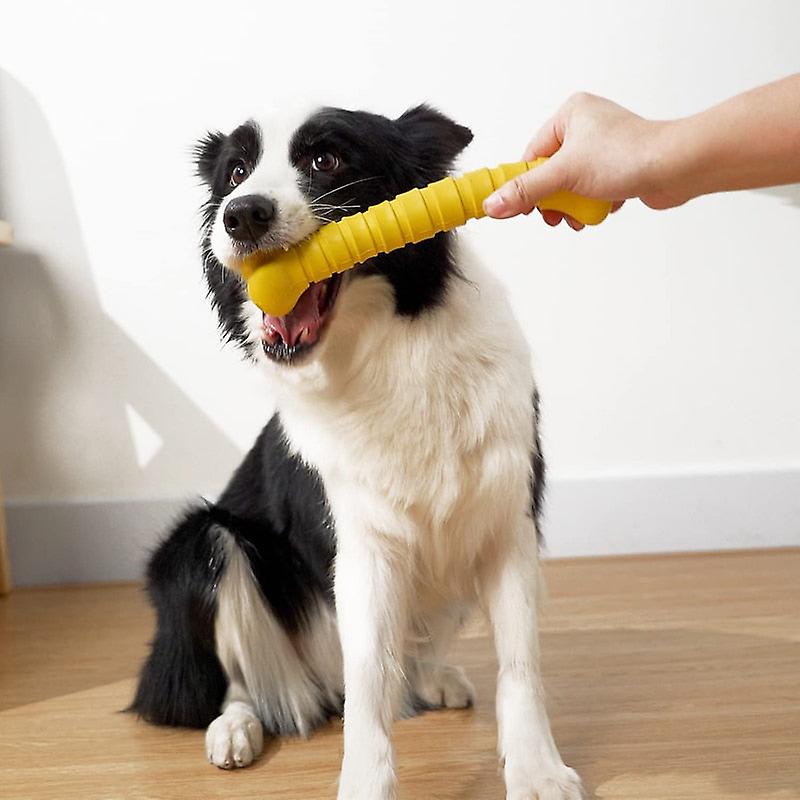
(520, 195)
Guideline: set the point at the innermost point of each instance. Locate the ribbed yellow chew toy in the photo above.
(276, 283)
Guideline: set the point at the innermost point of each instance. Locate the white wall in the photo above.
(667, 344)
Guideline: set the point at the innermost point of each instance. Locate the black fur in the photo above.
(215, 155)
(538, 478)
(276, 511)
(388, 157)
(182, 682)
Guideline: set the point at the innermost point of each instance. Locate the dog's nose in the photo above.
(248, 218)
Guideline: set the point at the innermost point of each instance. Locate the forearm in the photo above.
(749, 141)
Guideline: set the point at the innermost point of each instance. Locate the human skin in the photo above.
(600, 149)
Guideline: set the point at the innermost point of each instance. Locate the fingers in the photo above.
(553, 218)
(576, 162)
(574, 224)
(546, 141)
(519, 196)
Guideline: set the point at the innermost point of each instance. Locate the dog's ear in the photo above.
(206, 155)
(435, 139)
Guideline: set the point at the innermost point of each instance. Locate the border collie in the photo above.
(398, 484)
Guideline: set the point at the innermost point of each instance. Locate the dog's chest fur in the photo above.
(426, 438)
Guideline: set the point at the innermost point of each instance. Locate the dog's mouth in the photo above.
(294, 335)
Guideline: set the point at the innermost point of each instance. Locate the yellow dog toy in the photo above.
(275, 283)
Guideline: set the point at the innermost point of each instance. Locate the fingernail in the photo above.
(494, 204)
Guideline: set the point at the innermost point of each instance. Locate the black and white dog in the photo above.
(398, 484)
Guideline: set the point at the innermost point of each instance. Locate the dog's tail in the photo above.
(182, 682)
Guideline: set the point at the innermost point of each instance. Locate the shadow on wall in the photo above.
(73, 385)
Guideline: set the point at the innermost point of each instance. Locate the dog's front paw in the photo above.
(449, 689)
(560, 783)
(235, 738)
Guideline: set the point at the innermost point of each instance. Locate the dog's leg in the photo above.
(371, 607)
(533, 768)
(236, 737)
(432, 682)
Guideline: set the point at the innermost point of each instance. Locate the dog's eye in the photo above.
(238, 173)
(325, 162)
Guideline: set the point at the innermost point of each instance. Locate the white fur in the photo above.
(265, 670)
(422, 432)
(274, 177)
(235, 737)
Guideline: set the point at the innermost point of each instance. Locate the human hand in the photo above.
(596, 149)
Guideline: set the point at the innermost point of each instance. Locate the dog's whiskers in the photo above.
(330, 208)
(330, 205)
(339, 188)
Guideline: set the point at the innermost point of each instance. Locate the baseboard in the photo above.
(68, 542)
(84, 541)
(673, 513)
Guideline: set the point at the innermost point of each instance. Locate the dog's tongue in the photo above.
(303, 322)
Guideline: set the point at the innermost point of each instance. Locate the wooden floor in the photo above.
(670, 678)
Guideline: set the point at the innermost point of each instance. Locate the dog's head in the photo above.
(271, 184)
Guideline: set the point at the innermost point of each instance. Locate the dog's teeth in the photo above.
(306, 336)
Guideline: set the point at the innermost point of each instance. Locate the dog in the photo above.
(398, 485)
